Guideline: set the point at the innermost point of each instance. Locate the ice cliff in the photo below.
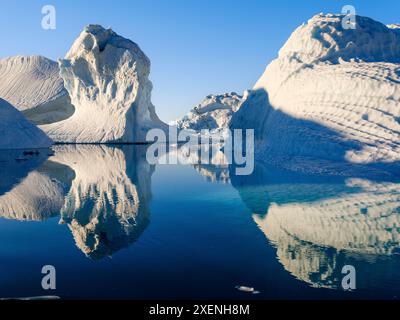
(106, 77)
(332, 94)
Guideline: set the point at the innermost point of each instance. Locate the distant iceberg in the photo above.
(214, 113)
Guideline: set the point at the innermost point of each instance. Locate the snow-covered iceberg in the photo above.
(106, 77)
(213, 113)
(32, 84)
(16, 132)
(331, 94)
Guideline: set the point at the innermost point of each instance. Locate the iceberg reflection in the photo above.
(102, 193)
(319, 225)
(313, 239)
(39, 196)
(106, 208)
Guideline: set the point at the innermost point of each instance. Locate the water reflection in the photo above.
(320, 224)
(39, 196)
(15, 165)
(102, 193)
(317, 224)
(106, 208)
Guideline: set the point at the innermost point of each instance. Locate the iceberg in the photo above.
(332, 94)
(213, 113)
(107, 79)
(17, 132)
(32, 84)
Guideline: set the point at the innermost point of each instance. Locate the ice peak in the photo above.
(97, 29)
(95, 36)
(106, 72)
(323, 38)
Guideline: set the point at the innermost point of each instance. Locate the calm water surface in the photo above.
(116, 227)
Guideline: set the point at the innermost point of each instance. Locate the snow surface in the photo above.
(213, 113)
(16, 132)
(331, 94)
(32, 84)
(106, 77)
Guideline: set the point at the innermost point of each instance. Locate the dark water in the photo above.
(114, 226)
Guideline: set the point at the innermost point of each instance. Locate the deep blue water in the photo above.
(115, 227)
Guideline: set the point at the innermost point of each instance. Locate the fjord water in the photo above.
(114, 226)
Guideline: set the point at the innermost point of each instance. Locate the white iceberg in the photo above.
(16, 132)
(213, 113)
(331, 94)
(32, 84)
(106, 77)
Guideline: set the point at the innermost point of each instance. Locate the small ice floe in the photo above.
(247, 289)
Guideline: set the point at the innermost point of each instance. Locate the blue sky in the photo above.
(196, 47)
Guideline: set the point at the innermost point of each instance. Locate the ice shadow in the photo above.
(303, 145)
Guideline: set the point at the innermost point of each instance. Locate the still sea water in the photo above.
(115, 227)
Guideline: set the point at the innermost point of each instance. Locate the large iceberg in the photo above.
(32, 84)
(106, 77)
(332, 94)
(16, 132)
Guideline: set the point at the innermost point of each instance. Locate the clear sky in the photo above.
(196, 47)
